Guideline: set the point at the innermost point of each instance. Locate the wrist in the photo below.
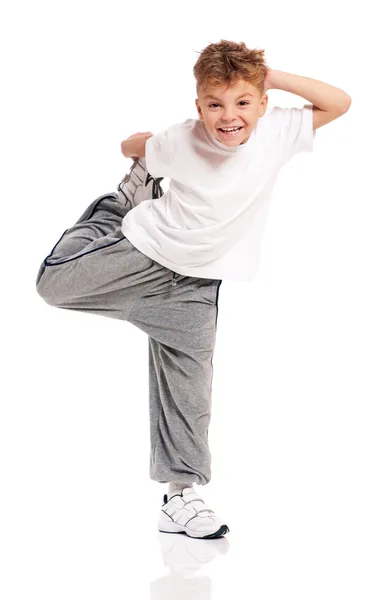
(270, 80)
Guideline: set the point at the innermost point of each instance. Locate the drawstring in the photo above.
(174, 276)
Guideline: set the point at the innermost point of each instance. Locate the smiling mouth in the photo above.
(230, 133)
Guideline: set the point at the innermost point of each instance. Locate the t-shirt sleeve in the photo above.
(293, 130)
(161, 151)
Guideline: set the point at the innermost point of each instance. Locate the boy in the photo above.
(158, 259)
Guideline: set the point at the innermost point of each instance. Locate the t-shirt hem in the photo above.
(150, 252)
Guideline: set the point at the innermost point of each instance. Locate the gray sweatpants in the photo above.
(94, 268)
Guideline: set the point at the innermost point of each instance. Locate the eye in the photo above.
(216, 104)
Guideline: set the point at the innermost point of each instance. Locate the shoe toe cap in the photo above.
(206, 524)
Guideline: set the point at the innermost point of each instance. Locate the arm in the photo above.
(329, 102)
(135, 145)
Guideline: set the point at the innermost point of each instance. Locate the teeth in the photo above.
(230, 129)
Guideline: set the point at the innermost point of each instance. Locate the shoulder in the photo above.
(290, 130)
(281, 116)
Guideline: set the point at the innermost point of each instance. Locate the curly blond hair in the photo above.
(226, 62)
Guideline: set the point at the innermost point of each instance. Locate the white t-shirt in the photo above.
(210, 221)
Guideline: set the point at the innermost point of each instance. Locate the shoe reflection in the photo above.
(184, 556)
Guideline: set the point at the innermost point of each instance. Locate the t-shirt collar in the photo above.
(228, 149)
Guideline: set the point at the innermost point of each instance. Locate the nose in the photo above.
(229, 114)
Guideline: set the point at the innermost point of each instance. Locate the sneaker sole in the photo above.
(173, 528)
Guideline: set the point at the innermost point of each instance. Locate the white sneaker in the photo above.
(138, 184)
(186, 512)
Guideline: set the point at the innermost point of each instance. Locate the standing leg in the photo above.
(181, 323)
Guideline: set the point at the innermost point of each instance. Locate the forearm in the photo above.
(134, 146)
(324, 96)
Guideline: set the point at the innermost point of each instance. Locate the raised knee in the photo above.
(46, 292)
(46, 287)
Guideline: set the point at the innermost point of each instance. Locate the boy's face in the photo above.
(221, 107)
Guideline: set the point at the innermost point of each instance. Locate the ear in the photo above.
(198, 109)
(263, 105)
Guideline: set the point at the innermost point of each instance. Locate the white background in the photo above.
(295, 431)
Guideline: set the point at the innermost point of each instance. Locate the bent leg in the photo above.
(94, 267)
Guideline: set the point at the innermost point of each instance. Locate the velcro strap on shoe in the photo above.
(194, 500)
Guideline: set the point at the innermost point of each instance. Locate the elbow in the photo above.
(347, 103)
(123, 149)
